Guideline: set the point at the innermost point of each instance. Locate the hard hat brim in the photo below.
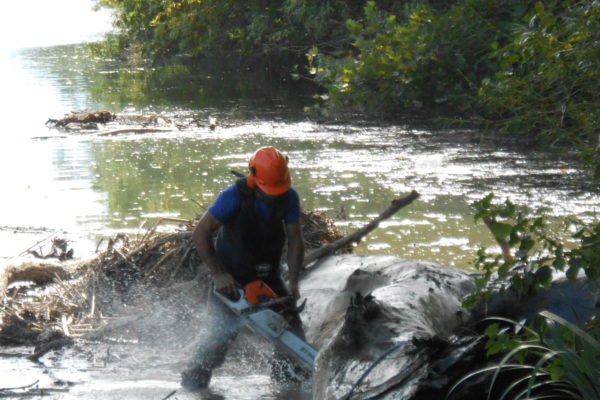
(276, 190)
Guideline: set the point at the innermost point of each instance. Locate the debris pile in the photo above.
(105, 123)
(82, 120)
(84, 298)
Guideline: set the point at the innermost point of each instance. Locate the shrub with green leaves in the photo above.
(539, 250)
(419, 57)
(554, 359)
(548, 83)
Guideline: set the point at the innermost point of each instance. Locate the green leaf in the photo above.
(527, 244)
(501, 230)
(494, 348)
(492, 330)
(573, 271)
(544, 275)
(480, 214)
(503, 270)
(539, 7)
(559, 263)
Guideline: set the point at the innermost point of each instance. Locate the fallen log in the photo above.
(357, 236)
(13, 355)
(131, 130)
(37, 392)
(101, 116)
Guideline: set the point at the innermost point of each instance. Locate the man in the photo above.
(252, 219)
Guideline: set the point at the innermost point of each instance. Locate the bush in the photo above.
(539, 250)
(555, 359)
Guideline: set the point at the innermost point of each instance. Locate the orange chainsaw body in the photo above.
(257, 292)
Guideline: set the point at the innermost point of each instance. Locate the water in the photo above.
(86, 187)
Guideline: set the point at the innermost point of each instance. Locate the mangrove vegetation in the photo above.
(526, 69)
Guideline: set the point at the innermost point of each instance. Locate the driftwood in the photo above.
(34, 392)
(84, 298)
(131, 130)
(22, 392)
(357, 236)
(102, 116)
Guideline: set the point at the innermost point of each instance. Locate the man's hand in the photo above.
(225, 284)
(202, 237)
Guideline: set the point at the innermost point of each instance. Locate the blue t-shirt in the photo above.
(227, 205)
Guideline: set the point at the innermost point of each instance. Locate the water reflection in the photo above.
(100, 185)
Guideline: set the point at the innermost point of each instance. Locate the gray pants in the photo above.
(223, 327)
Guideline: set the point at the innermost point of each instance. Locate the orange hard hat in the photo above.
(269, 171)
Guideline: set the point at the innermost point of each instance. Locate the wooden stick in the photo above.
(169, 395)
(159, 262)
(189, 248)
(32, 392)
(160, 221)
(93, 302)
(65, 325)
(15, 355)
(356, 236)
(36, 244)
(162, 240)
(128, 261)
(20, 387)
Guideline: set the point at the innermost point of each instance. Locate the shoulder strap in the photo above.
(246, 196)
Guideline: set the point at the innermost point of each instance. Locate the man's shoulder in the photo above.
(226, 203)
(231, 189)
(293, 195)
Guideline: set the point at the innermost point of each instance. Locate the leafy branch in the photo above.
(539, 252)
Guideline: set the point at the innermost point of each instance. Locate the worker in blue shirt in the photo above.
(252, 219)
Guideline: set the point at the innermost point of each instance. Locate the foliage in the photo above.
(421, 58)
(388, 55)
(555, 359)
(539, 251)
(526, 68)
(249, 32)
(548, 83)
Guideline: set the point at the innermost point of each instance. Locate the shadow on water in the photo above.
(89, 82)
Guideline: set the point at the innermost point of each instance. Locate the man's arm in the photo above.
(202, 237)
(295, 256)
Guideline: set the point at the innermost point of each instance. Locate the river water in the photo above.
(85, 187)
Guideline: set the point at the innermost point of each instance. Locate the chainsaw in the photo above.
(255, 306)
